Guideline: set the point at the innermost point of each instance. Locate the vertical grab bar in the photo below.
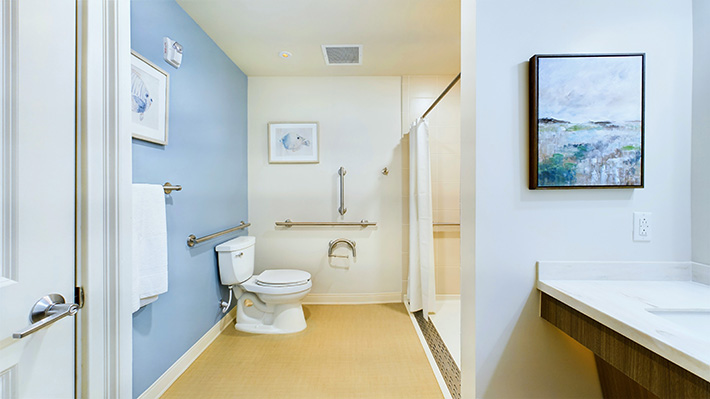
(342, 208)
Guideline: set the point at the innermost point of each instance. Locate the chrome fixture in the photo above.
(342, 172)
(332, 244)
(192, 240)
(46, 311)
(362, 223)
(385, 171)
(168, 188)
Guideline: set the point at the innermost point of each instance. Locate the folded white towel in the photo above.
(150, 244)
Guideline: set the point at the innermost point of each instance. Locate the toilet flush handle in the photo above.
(239, 255)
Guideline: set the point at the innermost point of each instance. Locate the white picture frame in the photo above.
(149, 100)
(293, 142)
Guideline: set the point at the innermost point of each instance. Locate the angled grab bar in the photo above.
(192, 239)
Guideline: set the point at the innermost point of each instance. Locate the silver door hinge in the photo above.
(79, 296)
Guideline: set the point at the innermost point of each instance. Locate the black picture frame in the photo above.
(587, 152)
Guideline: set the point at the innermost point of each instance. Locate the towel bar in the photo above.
(168, 188)
(192, 240)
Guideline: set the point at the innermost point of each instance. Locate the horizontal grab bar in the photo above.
(192, 240)
(362, 223)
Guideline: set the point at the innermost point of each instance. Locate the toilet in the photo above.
(268, 303)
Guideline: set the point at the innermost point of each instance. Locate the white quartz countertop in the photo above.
(620, 295)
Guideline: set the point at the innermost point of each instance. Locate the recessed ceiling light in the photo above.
(285, 54)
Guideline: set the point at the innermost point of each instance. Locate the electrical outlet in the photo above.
(642, 226)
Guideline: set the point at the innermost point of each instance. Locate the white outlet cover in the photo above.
(642, 226)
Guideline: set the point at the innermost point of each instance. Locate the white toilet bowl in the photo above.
(268, 303)
(268, 308)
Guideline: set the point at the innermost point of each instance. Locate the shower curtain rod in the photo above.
(441, 96)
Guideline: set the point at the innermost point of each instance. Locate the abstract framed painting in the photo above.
(587, 121)
(293, 142)
(149, 101)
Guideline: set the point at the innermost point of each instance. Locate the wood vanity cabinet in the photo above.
(626, 369)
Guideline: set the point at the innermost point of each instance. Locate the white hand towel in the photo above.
(150, 243)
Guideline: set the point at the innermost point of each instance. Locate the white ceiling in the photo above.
(399, 37)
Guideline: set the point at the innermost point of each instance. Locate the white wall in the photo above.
(360, 130)
(468, 199)
(701, 132)
(517, 353)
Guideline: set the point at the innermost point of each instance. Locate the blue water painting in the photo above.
(590, 121)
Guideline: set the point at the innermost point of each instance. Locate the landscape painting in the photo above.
(587, 123)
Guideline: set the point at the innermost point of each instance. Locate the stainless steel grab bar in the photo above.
(46, 311)
(192, 240)
(342, 172)
(362, 223)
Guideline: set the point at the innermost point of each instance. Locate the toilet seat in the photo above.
(278, 281)
(283, 277)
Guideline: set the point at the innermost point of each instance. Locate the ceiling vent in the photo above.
(345, 54)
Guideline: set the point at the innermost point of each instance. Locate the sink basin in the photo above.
(695, 320)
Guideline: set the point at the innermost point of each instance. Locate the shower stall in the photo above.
(419, 93)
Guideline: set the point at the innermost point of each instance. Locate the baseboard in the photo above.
(171, 375)
(353, 299)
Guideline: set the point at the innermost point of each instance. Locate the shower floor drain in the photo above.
(447, 366)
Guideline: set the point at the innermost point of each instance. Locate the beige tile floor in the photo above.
(348, 351)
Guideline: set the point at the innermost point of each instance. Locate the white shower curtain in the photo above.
(421, 290)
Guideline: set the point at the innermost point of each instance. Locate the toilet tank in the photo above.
(236, 260)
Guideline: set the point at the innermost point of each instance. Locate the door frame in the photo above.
(104, 176)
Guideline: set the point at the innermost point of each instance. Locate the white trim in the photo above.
(8, 141)
(353, 299)
(175, 371)
(104, 329)
(432, 362)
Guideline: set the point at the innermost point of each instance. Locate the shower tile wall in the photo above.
(418, 92)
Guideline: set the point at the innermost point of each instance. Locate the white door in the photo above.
(37, 181)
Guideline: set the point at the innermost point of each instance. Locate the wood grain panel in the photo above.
(616, 385)
(657, 375)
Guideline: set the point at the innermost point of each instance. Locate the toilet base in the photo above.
(257, 317)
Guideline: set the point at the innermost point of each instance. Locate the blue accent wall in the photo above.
(207, 155)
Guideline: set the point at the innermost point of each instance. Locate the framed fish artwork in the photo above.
(149, 100)
(587, 121)
(293, 142)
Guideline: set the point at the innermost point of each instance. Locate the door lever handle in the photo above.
(46, 311)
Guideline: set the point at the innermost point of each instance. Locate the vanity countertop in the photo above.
(620, 295)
